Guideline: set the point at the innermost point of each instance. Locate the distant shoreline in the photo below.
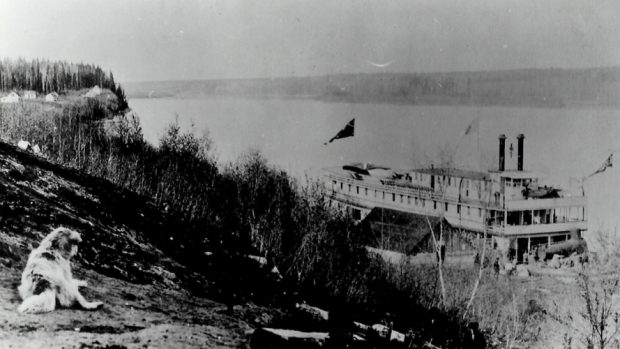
(537, 88)
(421, 102)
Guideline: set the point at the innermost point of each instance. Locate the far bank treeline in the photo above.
(550, 87)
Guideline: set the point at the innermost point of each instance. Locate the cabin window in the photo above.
(408, 200)
(449, 181)
(366, 191)
(416, 201)
(527, 217)
(349, 188)
(357, 190)
(514, 217)
(458, 209)
(468, 211)
(434, 205)
(383, 195)
(341, 185)
(479, 212)
(446, 207)
(401, 198)
(393, 197)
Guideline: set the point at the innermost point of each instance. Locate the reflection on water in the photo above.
(561, 143)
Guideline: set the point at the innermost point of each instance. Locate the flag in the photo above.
(347, 131)
(473, 126)
(604, 166)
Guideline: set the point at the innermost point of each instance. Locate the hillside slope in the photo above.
(147, 302)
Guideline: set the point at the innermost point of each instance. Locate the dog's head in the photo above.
(63, 240)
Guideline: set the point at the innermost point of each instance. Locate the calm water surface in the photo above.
(560, 143)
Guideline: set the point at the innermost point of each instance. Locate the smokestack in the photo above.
(520, 139)
(502, 152)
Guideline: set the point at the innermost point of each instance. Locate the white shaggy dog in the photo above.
(47, 277)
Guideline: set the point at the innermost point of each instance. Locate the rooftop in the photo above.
(453, 172)
(518, 174)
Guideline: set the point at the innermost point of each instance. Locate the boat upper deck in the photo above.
(508, 189)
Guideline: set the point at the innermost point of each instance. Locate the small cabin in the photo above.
(10, 98)
(29, 94)
(94, 92)
(51, 97)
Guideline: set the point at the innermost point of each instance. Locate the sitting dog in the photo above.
(47, 277)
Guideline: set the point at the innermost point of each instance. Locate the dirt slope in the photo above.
(144, 291)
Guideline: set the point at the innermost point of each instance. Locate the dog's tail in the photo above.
(41, 303)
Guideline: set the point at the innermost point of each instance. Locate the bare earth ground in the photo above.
(147, 302)
(134, 316)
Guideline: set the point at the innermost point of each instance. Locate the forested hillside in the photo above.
(52, 76)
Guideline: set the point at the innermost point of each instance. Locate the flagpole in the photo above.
(478, 141)
(474, 123)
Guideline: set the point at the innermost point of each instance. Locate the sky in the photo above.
(151, 40)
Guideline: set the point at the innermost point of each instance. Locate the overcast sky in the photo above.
(174, 40)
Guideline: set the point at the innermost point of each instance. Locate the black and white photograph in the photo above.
(415, 174)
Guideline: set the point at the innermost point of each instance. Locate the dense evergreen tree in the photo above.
(46, 76)
(120, 94)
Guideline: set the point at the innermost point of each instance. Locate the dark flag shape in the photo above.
(347, 131)
(473, 127)
(606, 164)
